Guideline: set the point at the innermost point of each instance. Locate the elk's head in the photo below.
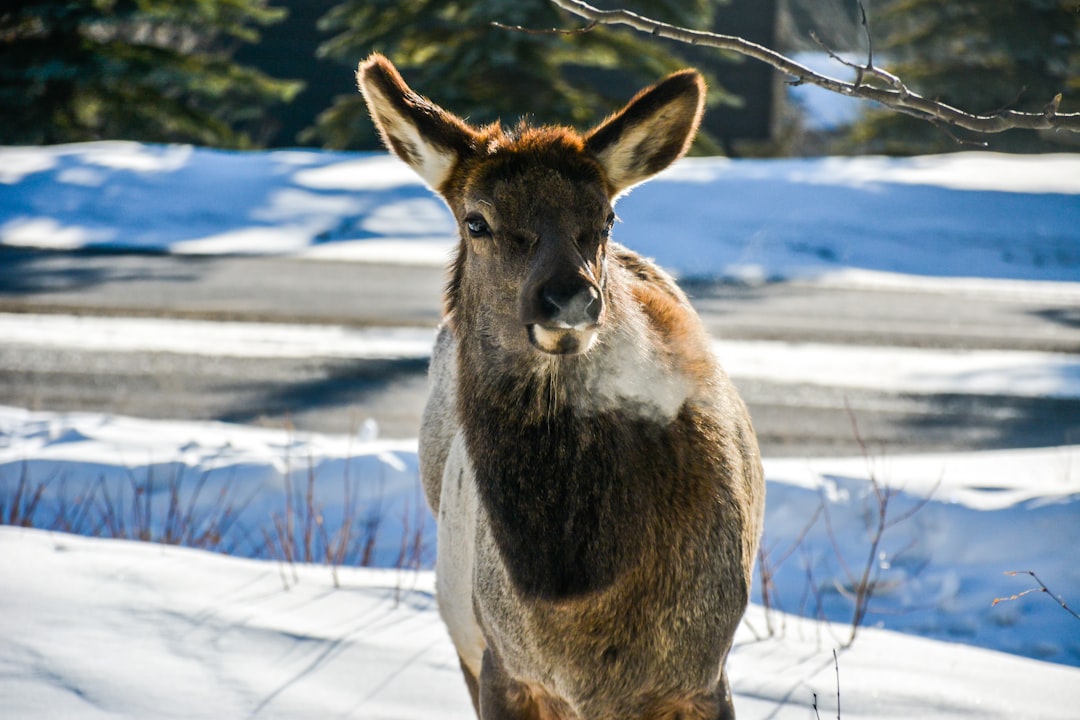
(533, 205)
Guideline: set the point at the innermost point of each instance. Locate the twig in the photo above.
(22, 510)
(836, 664)
(869, 44)
(867, 583)
(767, 569)
(1042, 588)
(896, 97)
(812, 589)
(861, 71)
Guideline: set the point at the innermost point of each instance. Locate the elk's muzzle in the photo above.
(562, 314)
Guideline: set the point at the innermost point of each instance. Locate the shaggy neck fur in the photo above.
(561, 490)
(567, 450)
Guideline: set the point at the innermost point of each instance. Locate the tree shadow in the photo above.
(985, 422)
(355, 383)
(1065, 316)
(27, 271)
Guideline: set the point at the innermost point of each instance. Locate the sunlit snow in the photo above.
(96, 628)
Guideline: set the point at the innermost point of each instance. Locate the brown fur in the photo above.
(594, 472)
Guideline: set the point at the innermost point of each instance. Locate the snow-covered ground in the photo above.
(967, 215)
(113, 629)
(956, 523)
(188, 633)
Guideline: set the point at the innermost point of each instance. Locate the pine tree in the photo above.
(981, 56)
(450, 50)
(150, 70)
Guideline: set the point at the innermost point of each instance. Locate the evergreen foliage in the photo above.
(451, 50)
(149, 70)
(981, 56)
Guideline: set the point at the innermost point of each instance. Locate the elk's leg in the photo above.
(503, 698)
(473, 684)
(496, 702)
(723, 699)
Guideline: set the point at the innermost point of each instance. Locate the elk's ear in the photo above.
(429, 139)
(654, 130)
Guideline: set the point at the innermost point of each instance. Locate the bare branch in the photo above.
(836, 664)
(1042, 588)
(897, 96)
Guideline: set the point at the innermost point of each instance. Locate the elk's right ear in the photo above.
(429, 139)
(654, 130)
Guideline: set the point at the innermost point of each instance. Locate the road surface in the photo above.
(337, 394)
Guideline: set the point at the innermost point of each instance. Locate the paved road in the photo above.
(335, 395)
(240, 288)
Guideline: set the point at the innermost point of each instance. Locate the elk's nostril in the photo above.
(593, 306)
(550, 305)
(570, 306)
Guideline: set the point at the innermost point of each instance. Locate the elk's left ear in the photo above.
(429, 139)
(654, 130)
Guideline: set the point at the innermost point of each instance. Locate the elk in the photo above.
(594, 474)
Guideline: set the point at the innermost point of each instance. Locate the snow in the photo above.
(120, 629)
(227, 484)
(967, 215)
(937, 217)
(237, 625)
(973, 516)
(115, 629)
(905, 370)
(212, 201)
(220, 339)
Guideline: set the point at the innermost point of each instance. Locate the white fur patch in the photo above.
(629, 376)
(456, 562)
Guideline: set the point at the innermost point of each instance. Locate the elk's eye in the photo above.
(477, 226)
(608, 225)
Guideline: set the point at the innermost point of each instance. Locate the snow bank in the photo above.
(961, 215)
(242, 490)
(956, 523)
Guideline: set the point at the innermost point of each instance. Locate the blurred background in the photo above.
(279, 73)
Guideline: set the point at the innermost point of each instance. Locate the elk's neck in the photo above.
(565, 486)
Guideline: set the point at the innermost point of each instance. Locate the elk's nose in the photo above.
(569, 305)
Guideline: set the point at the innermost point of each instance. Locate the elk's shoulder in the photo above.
(671, 316)
(649, 275)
